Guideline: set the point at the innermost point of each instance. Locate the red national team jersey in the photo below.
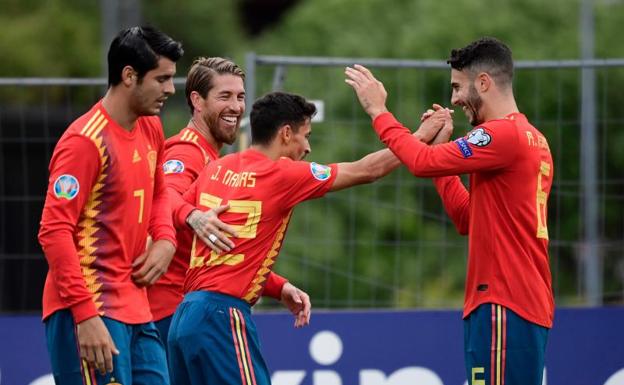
(186, 154)
(262, 194)
(106, 190)
(504, 215)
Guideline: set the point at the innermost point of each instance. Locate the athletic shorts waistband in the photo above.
(223, 299)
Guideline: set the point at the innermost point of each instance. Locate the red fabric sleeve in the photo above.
(305, 180)
(185, 205)
(191, 157)
(453, 158)
(161, 226)
(456, 201)
(273, 287)
(178, 183)
(75, 157)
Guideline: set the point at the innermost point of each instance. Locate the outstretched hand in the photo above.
(370, 91)
(298, 302)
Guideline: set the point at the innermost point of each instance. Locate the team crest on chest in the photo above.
(479, 137)
(151, 159)
(66, 187)
(320, 171)
(173, 166)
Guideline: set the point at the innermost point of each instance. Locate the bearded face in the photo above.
(223, 107)
(466, 96)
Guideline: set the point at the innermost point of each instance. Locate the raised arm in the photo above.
(379, 164)
(453, 158)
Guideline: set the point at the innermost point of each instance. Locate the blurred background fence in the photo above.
(384, 245)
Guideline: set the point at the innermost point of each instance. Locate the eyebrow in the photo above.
(228, 92)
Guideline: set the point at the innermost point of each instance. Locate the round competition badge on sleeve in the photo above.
(320, 171)
(479, 137)
(173, 166)
(66, 186)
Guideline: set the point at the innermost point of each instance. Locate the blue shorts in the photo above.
(213, 340)
(141, 358)
(502, 348)
(163, 329)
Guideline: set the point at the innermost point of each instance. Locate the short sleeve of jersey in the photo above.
(305, 180)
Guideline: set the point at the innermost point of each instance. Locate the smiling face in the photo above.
(150, 92)
(223, 107)
(466, 96)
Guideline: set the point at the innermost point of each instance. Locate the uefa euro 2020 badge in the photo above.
(320, 171)
(66, 187)
(173, 166)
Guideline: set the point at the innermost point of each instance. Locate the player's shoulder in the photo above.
(514, 120)
(286, 163)
(83, 133)
(88, 122)
(186, 135)
(302, 168)
(182, 141)
(500, 130)
(186, 138)
(496, 124)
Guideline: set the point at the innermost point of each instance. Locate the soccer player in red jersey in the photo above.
(509, 304)
(215, 94)
(212, 338)
(106, 191)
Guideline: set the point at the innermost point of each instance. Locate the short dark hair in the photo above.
(276, 109)
(140, 48)
(202, 71)
(488, 55)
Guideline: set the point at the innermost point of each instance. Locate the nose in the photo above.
(454, 98)
(169, 87)
(239, 107)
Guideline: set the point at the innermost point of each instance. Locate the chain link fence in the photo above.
(384, 245)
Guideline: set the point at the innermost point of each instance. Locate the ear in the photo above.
(197, 101)
(128, 76)
(483, 82)
(285, 133)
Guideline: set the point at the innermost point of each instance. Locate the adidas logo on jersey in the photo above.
(136, 157)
